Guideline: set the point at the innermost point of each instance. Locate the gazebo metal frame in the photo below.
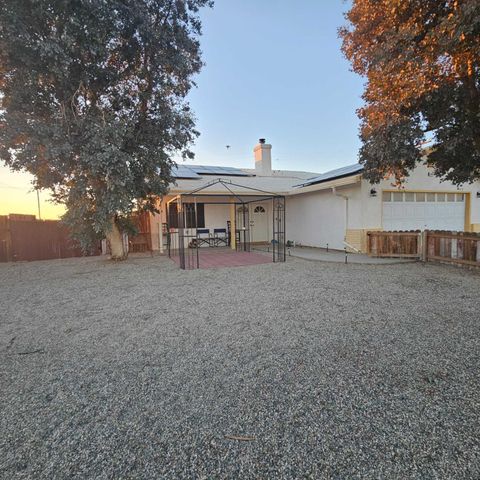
(185, 242)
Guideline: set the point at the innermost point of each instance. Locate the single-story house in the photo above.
(335, 208)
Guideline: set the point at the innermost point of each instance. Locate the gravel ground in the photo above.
(296, 370)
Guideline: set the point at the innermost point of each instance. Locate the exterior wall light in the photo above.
(373, 192)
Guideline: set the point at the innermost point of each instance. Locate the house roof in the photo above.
(333, 174)
(191, 177)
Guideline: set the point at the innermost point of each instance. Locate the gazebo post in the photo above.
(233, 225)
(181, 232)
(196, 233)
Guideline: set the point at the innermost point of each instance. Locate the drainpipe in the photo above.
(334, 191)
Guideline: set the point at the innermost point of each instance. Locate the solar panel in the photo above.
(217, 170)
(332, 174)
(198, 168)
(184, 171)
(231, 169)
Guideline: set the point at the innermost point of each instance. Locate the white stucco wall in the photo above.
(475, 206)
(315, 219)
(216, 216)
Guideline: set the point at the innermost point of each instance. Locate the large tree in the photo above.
(93, 102)
(421, 60)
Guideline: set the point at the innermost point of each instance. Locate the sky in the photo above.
(273, 70)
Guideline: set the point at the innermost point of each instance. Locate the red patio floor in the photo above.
(213, 258)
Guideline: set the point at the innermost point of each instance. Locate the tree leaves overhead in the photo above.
(93, 99)
(421, 59)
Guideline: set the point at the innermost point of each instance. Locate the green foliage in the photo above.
(94, 100)
(392, 150)
(453, 113)
(421, 60)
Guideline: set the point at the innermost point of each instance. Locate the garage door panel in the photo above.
(433, 215)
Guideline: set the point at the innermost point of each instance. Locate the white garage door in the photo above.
(423, 210)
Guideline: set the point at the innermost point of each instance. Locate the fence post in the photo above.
(424, 245)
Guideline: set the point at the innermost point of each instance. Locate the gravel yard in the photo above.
(296, 370)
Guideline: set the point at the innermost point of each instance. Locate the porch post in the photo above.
(233, 226)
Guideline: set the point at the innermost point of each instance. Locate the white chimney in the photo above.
(263, 158)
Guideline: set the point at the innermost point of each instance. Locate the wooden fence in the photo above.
(394, 244)
(139, 243)
(462, 248)
(23, 238)
(142, 241)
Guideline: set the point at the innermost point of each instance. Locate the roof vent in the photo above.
(261, 141)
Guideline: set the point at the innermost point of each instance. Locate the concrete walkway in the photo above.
(321, 254)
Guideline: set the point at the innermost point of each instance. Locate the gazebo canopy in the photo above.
(224, 191)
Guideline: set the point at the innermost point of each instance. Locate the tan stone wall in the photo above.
(358, 238)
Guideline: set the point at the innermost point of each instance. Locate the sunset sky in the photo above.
(273, 70)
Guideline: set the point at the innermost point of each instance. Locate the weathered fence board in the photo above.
(394, 244)
(454, 247)
(462, 248)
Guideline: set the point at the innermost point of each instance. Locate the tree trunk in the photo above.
(115, 238)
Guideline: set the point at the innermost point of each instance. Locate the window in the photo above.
(420, 196)
(398, 196)
(172, 215)
(189, 209)
(259, 209)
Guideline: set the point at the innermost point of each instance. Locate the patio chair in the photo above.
(220, 237)
(204, 237)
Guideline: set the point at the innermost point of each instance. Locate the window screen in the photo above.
(189, 209)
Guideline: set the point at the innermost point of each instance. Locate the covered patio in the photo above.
(240, 219)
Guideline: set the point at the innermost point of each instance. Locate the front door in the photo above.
(259, 223)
